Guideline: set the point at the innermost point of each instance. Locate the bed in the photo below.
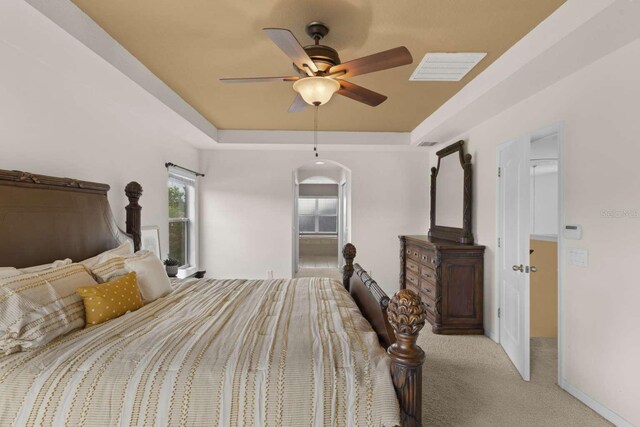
(213, 352)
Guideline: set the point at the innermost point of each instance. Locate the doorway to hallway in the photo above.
(529, 220)
(321, 218)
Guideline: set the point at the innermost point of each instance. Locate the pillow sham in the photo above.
(123, 250)
(6, 272)
(12, 271)
(110, 300)
(35, 308)
(43, 267)
(152, 276)
(111, 267)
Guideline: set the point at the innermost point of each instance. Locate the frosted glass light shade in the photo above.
(316, 90)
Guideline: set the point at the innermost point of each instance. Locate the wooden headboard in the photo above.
(44, 218)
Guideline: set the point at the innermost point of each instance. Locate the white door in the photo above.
(514, 229)
(341, 208)
(343, 238)
(296, 225)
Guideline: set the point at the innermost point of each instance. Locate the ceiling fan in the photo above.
(320, 72)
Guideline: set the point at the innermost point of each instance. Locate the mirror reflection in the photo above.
(450, 192)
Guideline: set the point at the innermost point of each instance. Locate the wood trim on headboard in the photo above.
(44, 218)
(44, 181)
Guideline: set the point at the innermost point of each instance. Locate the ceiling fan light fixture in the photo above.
(316, 90)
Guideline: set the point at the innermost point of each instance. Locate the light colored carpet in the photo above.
(318, 261)
(470, 381)
(332, 273)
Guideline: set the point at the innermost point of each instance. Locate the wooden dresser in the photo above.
(449, 278)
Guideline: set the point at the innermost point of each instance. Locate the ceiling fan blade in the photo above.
(260, 79)
(288, 43)
(360, 94)
(298, 104)
(378, 61)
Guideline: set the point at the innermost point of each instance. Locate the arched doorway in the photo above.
(321, 218)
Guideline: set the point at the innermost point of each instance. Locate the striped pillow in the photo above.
(35, 308)
(112, 266)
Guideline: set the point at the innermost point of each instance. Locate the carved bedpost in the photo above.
(403, 255)
(133, 190)
(407, 316)
(349, 253)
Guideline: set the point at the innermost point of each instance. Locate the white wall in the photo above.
(598, 106)
(66, 112)
(544, 195)
(247, 209)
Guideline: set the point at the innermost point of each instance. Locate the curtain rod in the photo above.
(166, 165)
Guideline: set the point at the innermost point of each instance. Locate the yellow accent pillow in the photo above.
(110, 300)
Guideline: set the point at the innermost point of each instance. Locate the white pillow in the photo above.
(123, 250)
(152, 276)
(43, 267)
(6, 272)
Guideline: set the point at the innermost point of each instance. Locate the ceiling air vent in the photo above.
(427, 143)
(446, 67)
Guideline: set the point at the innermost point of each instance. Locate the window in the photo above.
(182, 218)
(318, 215)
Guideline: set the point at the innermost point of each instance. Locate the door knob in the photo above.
(519, 268)
(533, 269)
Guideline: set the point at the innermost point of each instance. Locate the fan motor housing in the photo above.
(324, 57)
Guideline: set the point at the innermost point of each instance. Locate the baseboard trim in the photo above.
(491, 335)
(607, 413)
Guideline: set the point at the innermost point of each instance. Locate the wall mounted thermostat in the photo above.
(573, 231)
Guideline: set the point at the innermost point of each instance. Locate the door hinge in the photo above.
(499, 172)
(498, 313)
(499, 242)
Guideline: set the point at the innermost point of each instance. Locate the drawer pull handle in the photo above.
(427, 305)
(409, 251)
(428, 290)
(415, 254)
(424, 257)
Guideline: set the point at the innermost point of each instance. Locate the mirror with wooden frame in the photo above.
(451, 195)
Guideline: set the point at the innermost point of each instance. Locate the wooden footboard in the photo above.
(397, 321)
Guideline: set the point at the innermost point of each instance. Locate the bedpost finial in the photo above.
(407, 315)
(133, 190)
(406, 312)
(349, 252)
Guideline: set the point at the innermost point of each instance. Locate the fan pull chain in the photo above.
(315, 130)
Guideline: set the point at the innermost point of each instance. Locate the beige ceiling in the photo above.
(190, 44)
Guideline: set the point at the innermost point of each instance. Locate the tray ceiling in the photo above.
(191, 44)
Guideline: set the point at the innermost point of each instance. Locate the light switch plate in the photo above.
(578, 257)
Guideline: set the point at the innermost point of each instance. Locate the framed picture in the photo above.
(151, 239)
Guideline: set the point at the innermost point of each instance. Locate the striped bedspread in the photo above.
(214, 352)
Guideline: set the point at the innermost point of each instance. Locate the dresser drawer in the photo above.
(414, 289)
(413, 267)
(412, 279)
(413, 252)
(429, 304)
(427, 257)
(427, 273)
(428, 288)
